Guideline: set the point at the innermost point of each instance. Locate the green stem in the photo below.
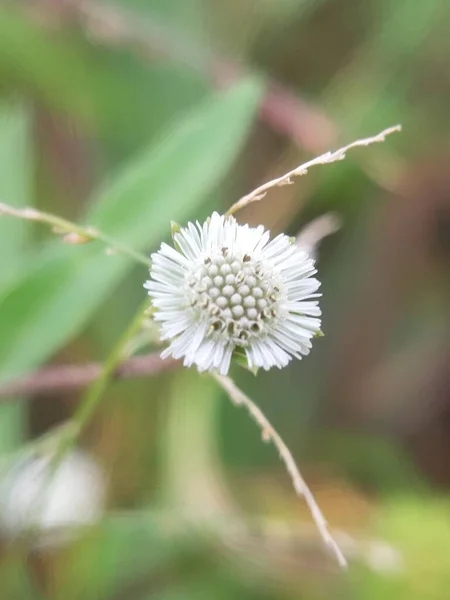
(81, 234)
(70, 432)
(95, 393)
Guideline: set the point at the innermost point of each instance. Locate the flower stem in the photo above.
(73, 233)
(324, 159)
(269, 433)
(95, 393)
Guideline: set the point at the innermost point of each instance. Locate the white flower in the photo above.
(228, 288)
(384, 558)
(56, 505)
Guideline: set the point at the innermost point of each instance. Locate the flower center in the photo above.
(237, 294)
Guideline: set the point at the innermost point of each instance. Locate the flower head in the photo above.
(29, 498)
(227, 288)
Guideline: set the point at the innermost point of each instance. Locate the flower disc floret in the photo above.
(226, 287)
(233, 303)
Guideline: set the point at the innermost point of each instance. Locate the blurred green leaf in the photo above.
(15, 180)
(135, 99)
(124, 548)
(375, 101)
(417, 567)
(15, 188)
(193, 481)
(51, 67)
(108, 89)
(170, 180)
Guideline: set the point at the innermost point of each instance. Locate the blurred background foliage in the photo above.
(130, 114)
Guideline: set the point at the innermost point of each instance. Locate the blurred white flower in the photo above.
(226, 287)
(29, 498)
(384, 558)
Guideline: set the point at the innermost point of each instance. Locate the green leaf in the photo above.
(15, 183)
(51, 66)
(15, 188)
(192, 414)
(49, 305)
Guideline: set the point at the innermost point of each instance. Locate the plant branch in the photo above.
(94, 393)
(324, 159)
(51, 381)
(270, 434)
(71, 232)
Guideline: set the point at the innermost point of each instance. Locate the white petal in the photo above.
(290, 288)
(172, 254)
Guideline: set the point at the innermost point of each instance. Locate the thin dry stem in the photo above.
(324, 159)
(71, 232)
(54, 380)
(270, 434)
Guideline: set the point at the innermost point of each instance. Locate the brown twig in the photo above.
(62, 378)
(324, 159)
(270, 434)
(71, 232)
